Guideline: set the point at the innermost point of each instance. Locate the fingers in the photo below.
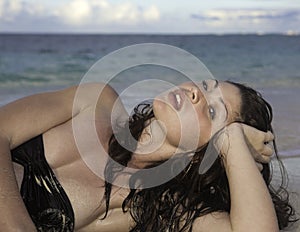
(268, 137)
(263, 159)
(260, 143)
(267, 150)
(264, 155)
(258, 139)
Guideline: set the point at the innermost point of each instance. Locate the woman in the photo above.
(61, 193)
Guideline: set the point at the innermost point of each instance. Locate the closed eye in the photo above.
(205, 86)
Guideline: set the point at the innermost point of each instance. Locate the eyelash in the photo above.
(212, 112)
(204, 85)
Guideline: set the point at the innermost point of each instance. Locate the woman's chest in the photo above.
(81, 138)
(79, 164)
(84, 191)
(86, 194)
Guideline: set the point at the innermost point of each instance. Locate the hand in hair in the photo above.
(257, 141)
(251, 206)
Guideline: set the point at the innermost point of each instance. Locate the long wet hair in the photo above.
(174, 205)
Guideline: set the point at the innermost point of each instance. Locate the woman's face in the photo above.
(192, 112)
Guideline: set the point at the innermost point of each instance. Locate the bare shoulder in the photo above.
(212, 222)
(32, 115)
(94, 93)
(103, 100)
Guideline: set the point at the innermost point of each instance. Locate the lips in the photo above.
(176, 99)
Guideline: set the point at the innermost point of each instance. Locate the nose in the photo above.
(194, 94)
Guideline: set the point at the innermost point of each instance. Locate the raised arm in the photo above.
(251, 204)
(22, 120)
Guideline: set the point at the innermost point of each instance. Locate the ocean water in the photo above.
(270, 63)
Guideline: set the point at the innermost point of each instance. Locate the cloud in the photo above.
(8, 9)
(250, 19)
(75, 12)
(80, 12)
(126, 16)
(248, 14)
(152, 14)
(124, 13)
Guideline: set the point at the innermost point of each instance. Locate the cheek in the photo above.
(187, 129)
(195, 130)
(169, 121)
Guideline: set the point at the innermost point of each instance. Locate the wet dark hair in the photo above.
(174, 205)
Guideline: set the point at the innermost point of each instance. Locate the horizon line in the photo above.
(153, 33)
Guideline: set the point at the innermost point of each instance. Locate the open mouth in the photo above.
(176, 99)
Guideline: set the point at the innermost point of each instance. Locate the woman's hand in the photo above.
(259, 143)
(238, 134)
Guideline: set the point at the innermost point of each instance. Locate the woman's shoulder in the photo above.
(36, 114)
(94, 94)
(101, 99)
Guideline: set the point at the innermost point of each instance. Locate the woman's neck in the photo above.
(151, 147)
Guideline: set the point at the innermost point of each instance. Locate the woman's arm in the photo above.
(251, 204)
(22, 120)
(14, 216)
(252, 208)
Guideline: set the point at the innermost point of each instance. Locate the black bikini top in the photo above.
(45, 199)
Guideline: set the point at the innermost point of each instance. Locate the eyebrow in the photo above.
(221, 100)
(216, 84)
(225, 108)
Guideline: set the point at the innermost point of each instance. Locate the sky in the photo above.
(151, 16)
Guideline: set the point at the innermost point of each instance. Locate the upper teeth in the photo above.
(178, 98)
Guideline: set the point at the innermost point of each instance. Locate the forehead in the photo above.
(231, 95)
(229, 91)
